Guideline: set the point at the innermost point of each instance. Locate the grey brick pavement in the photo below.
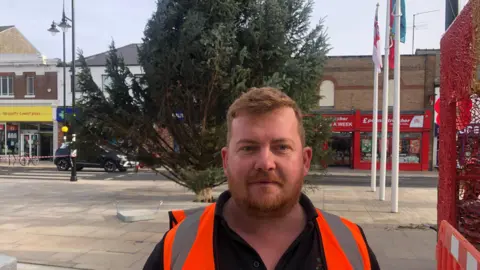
(74, 225)
(399, 249)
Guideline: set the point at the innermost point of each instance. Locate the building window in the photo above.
(141, 82)
(6, 86)
(78, 87)
(327, 94)
(106, 82)
(30, 86)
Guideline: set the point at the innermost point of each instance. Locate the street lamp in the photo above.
(64, 25)
(414, 26)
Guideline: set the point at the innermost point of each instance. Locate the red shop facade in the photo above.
(352, 140)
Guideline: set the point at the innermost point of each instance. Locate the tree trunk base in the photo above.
(204, 195)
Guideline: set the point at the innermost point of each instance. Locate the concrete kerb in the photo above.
(27, 265)
(40, 165)
(366, 174)
(346, 172)
(7, 262)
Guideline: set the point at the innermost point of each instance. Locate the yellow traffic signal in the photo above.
(64, 129)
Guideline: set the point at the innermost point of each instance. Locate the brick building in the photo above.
(347, 96)
(28, 94)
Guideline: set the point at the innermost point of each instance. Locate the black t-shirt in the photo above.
(233, 253)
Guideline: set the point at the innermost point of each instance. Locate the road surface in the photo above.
(144, 175)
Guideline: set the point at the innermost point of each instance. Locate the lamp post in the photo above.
(414, 26)
(53, 29)
(451, 11)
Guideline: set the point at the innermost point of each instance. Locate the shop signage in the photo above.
(342, 122)
(406, 121)
(62, 114)
(12, 127)
(26, 114)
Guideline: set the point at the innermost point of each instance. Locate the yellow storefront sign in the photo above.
(26, 114)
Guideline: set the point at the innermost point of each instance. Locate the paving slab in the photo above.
(135, 215)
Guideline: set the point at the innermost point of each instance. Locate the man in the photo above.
(263, 221)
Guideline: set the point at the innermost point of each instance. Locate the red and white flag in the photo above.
(377, 54)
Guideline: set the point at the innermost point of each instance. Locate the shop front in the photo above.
(26, 130)
(414, 145)
(342, 139)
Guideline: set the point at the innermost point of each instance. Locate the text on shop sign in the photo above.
(410, 121)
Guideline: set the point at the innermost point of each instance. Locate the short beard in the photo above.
(271, 206)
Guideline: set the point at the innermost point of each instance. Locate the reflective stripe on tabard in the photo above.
(185, 237)
(346, 240)
(192, 211)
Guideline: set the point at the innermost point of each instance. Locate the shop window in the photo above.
(409, 149)
(341, 146)
(2, 138)
(6, 86)
(366, 146)
(30, 86)
(12, 140)
(327, 93)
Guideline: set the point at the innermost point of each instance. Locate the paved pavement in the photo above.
(52, 221)
(399, 249)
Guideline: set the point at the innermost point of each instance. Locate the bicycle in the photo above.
(27, 160)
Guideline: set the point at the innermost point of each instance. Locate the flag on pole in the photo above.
(403, 21)
(377, 54)
(403, 29)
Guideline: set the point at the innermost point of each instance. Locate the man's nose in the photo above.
(265, 160)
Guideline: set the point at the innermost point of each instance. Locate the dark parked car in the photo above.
(91, 157)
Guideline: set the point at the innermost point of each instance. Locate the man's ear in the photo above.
(307, 159)
(225, 159)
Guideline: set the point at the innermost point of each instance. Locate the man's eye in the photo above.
(283, 147)
(246, 148)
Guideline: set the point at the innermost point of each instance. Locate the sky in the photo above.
(349, 23)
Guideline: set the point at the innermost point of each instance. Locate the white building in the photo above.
(96, 64)
(28, 97)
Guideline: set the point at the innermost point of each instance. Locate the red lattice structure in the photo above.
(459, 157)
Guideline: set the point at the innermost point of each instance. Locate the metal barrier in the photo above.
(454, 252)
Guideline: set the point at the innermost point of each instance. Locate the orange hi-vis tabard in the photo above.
(189, 243)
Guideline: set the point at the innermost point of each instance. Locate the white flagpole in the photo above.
(396, 111)
(373, 181)
(383, 162)
(374, 131)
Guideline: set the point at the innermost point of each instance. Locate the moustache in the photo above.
(265, 177)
